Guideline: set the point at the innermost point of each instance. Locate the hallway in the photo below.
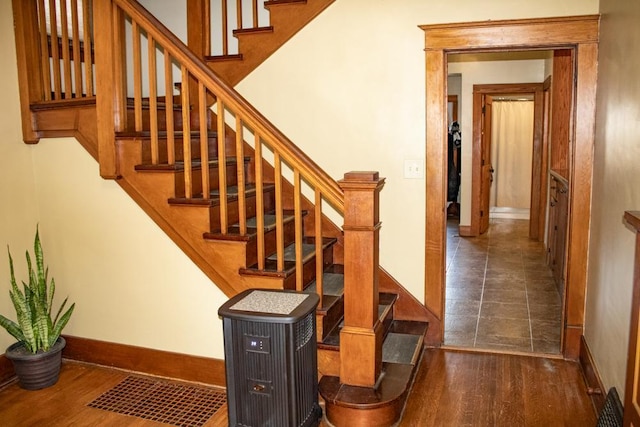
(500, 294)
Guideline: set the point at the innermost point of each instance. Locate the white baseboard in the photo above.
(508, 213)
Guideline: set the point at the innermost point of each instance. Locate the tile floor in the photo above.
(500, 293)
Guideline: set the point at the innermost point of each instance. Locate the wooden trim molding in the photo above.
(579, 33)
(145, 360)
(509, 34)
(595, 389)
(6, 369)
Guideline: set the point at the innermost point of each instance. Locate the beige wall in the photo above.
(615, 189)
(18, 205)
(131, 284)
(350, 90)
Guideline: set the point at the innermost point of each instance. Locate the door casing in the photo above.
(579, 33)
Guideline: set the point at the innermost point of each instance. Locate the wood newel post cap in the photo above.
(360, 176)
(361, 180)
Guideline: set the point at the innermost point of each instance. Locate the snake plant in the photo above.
(33, 305)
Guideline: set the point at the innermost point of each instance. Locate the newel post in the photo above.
(360, 338)
(25, 17)
(109, 63)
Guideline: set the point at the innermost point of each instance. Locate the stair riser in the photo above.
(179, 149)
(326, 322)
(233, 213)
(214, 179)
(309, 269)
(146, 119)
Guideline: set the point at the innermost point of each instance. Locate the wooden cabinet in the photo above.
(557, 231)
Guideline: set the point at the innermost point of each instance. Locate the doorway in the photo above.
(578, 34)
(500, 294)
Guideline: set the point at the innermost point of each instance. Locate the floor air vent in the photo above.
(611, 414)
(162, 401)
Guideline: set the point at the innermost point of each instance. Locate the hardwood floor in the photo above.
(452, 388)
(484, 389)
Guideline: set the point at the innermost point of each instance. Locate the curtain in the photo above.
(511, 153)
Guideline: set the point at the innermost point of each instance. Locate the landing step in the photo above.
(382, 404)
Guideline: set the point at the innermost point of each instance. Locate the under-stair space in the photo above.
(248, 206)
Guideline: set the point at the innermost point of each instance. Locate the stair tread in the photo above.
(386, 301)
(178, 166)
(252, 230)
(400, 348)
(269, 3)
(214, 200)
(271, 268)
(146, 134)
(257, 30)
(332, 284)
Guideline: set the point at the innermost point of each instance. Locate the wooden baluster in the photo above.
(239, 14)
(66, 60)
(137, 77)
(360, 354)
(279, 212)
(153, 99)
(88, 37)
(319, 253)
(44, 51)
(186, 136)
(259, 201)
(297, 203)
(242, 200)
(168, 90)
(225, 36)
(77, 61)
(119, 72)
(255, 14)
(55, 50)
(222, 170)
(204, 141)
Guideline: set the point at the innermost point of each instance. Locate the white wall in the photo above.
(615, 189)
(479, 71)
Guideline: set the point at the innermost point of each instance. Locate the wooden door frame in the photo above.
(534, 89)
(575, 32)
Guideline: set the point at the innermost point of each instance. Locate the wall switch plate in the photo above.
(413, 169)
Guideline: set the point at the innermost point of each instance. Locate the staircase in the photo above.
(240, 199)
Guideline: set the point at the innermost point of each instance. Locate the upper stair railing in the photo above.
(55, 55)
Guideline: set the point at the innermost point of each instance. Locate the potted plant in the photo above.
(37, 356)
